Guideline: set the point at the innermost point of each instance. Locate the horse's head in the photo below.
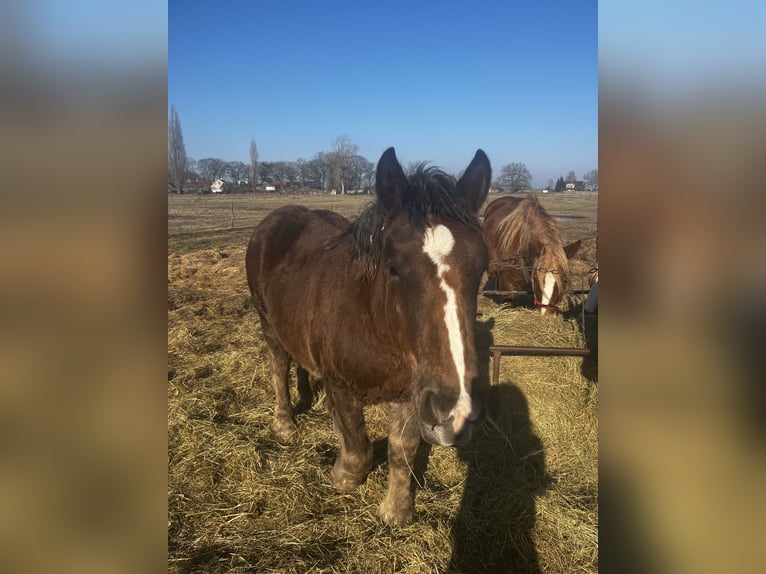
(550, 274)
(432, 256)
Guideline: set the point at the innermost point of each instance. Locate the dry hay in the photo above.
(521, 497)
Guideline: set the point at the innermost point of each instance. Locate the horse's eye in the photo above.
(393, 271)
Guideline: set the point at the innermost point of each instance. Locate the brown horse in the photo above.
(527, 250)
(382, 310)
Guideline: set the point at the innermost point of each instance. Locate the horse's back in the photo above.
(290, 237)
(332, 217)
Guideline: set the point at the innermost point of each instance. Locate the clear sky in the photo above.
(683, 48)
(436, 80)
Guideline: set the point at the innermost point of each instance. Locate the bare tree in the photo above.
(302, 167)
(293, 173)
(191, 169)
(368, 175)
(253, 164)
(285, 173)
(237, 171)
(360, 172)
(591, 179)
(268, 172)
(212, 168)
(176, 152)
(319, 171)
(515, 177)
(340, 160)
(571, 177)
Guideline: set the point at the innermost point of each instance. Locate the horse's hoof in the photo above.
(394, 516)
(345, 481)
(284, 428)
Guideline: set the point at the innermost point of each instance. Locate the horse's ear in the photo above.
(473, 187)
(390, 181)
(572, 248)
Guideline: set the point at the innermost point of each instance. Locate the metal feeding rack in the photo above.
(589, 324)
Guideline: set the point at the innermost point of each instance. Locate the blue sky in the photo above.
(683, 48)
(436, 80)
(119, 33)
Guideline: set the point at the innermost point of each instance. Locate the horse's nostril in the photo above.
(432, 403)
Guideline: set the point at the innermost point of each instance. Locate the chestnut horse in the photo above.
(527, 250)
(382, 310)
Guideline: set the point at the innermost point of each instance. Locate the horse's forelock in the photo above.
(553, 258)
(431, 194)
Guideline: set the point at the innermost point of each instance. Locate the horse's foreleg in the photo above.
(403, 441)
(355, 458)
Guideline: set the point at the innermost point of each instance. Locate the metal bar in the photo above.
(521, 350)
(494, 292)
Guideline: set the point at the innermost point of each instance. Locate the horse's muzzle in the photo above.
(446, 420)
(444, 435)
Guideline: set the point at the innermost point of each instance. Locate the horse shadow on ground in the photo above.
(506, 471)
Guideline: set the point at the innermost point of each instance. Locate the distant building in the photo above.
(575, 186)
(217, 186)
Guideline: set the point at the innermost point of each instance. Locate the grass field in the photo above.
(522, 497)
(205, 221)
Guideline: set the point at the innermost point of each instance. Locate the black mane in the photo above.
(431, 194)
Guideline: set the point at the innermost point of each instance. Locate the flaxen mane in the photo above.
(431, 194)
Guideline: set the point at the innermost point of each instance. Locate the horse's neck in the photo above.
(378, 307)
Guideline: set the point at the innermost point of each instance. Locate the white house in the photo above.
(217, 186)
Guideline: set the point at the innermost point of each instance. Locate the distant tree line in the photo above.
(340, 169)
(515, 177)
(590, 181)
(323, 172)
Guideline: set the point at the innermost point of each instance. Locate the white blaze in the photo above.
(438, 245)
(550, 282)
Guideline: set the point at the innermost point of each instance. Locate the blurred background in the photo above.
(83, 112)
(682, 241)
(682, 144)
